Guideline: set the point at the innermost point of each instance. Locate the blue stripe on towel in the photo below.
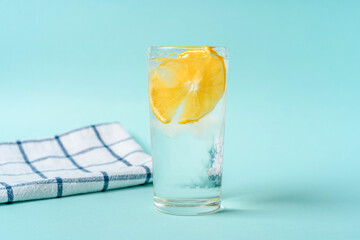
(9, 190)
(148, 173)
(108, 148)
(68, 156)
(73, 155)
(63, 169)
(81, 180)
(59, 187)
(106, 181)
(27, 160)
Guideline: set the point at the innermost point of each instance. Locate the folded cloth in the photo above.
(89, 159)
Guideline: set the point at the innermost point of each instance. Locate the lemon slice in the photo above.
(195, 78)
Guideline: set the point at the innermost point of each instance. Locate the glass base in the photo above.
(188, 207)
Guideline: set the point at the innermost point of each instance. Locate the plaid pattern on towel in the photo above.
(89, 159)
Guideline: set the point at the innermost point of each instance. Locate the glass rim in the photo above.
(184, 47)
(151, 49)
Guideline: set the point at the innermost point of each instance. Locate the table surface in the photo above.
(291, 167)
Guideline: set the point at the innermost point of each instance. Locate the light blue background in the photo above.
(292, 146)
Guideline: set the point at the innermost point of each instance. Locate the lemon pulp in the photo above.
(195, 78)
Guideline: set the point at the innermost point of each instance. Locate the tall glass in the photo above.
(187, 95)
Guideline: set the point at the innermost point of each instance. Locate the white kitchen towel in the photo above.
(89, 159)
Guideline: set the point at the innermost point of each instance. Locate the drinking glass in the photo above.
(187, 96)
